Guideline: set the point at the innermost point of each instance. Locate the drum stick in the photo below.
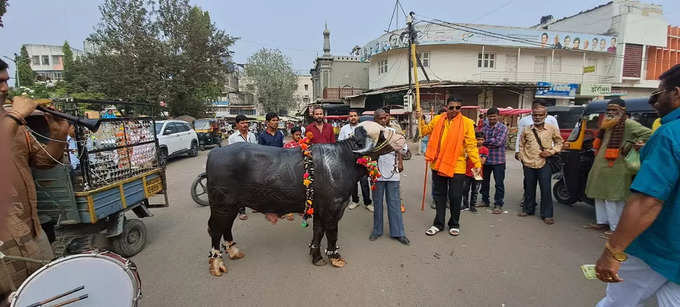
(51, 299)
(73, 300)
(422, 204)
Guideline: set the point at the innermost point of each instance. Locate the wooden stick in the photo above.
(73, 300)
(422, 204)
(51, 299)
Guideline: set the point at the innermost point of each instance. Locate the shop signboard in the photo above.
(556, 90)
(596, 90)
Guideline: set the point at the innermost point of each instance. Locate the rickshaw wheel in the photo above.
(561, 193)
(199, 190)
(132, 240)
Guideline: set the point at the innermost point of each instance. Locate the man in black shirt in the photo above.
(271, 136)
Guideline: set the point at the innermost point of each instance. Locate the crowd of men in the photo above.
(641, 210)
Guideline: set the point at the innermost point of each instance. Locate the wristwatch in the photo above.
(619, 256)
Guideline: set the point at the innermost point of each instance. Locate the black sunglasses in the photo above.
(655, 96)
(455, 107)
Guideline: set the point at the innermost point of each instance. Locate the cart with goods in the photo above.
(118, 172)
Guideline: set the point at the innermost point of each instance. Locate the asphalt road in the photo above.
(498, 260)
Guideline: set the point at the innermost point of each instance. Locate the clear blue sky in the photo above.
(295, 27)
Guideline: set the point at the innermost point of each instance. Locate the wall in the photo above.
(594, 21)
(302, 96)
(51, 51)
(459, 63)
(348, 73)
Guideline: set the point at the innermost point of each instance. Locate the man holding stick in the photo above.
(452, 136)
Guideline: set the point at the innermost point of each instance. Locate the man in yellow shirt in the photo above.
(452, 139)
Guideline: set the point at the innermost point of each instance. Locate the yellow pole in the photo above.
(415, 76)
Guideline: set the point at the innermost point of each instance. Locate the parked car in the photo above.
(175, 137)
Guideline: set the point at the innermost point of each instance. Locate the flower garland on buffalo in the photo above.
(308, 177)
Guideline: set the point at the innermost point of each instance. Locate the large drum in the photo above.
(96, 278)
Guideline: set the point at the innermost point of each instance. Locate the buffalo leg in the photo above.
(332, 250)
(216, 264)
(229, 243)
(315, 246)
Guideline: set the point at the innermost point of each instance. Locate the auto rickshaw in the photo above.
(208, 131)
(577, 154)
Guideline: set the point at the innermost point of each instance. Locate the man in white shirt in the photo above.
(242, 134)
(345, 132)
(388, 187)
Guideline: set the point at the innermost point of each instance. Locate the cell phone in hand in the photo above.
(589, 271)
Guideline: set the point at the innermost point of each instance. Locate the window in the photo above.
(540, 64)
(382, 67)
(557, 64)
(306, 87)
(46, 60)
(425, 58)
(56, 59)
(35, 60)
(486, 60)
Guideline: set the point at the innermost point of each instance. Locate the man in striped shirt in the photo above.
(495, 136)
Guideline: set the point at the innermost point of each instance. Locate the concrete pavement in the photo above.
(498, 260)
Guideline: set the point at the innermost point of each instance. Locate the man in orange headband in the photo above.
(609, 179)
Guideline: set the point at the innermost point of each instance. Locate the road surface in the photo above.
(498, 260)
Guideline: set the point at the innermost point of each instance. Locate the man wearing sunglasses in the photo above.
(452, 138)
(642, 258)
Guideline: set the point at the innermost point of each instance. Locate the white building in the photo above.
(486, 65)
(597, 53)
(303, 94)
(47, 61)
(639, 28)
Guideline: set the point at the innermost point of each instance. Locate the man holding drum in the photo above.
(21, 232)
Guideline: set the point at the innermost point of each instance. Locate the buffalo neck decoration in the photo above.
(308, 177)
(372, 168)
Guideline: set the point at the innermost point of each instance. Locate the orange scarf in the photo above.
(445, 157)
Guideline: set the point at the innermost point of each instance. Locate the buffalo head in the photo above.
(372, 138)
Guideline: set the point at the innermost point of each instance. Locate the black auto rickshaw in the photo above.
(577, 154)
(208, 132)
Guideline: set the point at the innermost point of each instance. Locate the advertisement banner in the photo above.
(596, 89)
(431, 34)
(556, 90)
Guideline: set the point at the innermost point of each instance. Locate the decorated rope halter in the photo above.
(372, 168)
(308, 177)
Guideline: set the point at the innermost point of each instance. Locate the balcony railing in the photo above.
(533, 77)
(340, 92)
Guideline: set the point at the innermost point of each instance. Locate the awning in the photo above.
(392, 112)
(508, 111)
(443, 84)
(336, 116)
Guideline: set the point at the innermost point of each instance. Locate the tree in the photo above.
(67, 62)
(3, 10)
(274, 78)
(156, 50)
(26, 74)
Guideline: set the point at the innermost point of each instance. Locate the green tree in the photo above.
(68, 62)
(274, 78)
(3, 10)
(156, 50)
(26, 74)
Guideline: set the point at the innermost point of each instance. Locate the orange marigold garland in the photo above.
(308, 177)
(372, 168)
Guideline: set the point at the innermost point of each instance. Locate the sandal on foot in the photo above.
(454, 232)
(432, 231)
(523, 214)
(497, 211)
(596, 226)
(549, 220)
(242, 217)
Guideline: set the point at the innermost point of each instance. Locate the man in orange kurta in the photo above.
(452, 139)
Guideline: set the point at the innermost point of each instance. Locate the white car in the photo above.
(175, 137)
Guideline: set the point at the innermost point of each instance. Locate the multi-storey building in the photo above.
(47, 61)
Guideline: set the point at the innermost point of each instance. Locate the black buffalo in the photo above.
(269, 180)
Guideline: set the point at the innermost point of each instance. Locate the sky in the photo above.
(295, 27)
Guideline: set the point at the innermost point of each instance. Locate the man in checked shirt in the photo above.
(495, 135)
